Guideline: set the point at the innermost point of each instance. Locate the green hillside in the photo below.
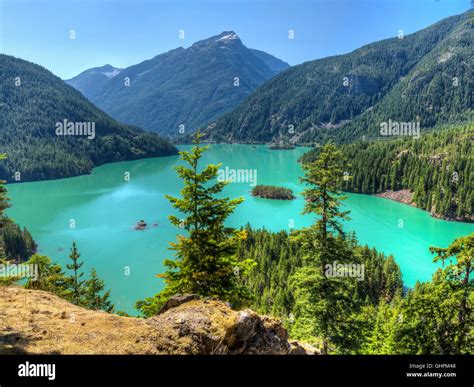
(32, 101)
(188, 87)
(437, 169)
(346, 97)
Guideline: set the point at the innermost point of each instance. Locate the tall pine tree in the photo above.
(458, 273)
(76, 282)
(206, 261)
(94, 296)
(3, 206)
(324, 303)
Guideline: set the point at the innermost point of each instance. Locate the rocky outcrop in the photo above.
(405, 196)
(33, 321)
(211, 327)
(402, 196)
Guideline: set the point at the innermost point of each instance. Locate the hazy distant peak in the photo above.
(191, 86)
(112, 72)
(91, 80)
(107, 67)
(275, 64)
(227, 36)
(108, 70)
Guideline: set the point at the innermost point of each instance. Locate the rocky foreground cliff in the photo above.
(38, 322)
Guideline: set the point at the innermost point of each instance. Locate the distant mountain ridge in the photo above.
(275, 64)
(182, 88)
(426, 77)
(90, 81)
(34, 104)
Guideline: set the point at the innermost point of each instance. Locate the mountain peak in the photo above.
(376, 89)
(190, 86)
(91, 80)
(109, 71)
(227, 36)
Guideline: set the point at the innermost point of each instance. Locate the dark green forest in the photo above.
(278, 257)
(32, 100)
(385, 317)
(438, 168)
(18, 243)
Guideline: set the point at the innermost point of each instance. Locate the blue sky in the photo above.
(125, 32)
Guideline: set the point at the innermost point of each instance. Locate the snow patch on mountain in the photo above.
(113, 73)
(229, 37)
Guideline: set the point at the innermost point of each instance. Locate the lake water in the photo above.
(105, 207)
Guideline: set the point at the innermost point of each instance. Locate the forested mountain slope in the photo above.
(188, 87)
(436, 170)
(33, 101)
(426, 77)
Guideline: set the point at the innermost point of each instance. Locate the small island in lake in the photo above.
(141, 225)
(273, 192)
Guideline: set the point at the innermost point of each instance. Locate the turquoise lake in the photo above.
(105, 207)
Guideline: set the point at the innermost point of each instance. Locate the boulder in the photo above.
(177, 300)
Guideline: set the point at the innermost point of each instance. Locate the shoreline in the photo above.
(405, 196)
(88, 173)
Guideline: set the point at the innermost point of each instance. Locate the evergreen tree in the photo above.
(458, 273)
(381, 340)
(206, 262)
(93, 297)
(324, 304)
(18, 244)
(323, 197)
(3, 206)
(76, 283)
(51, 277)
(427, 320)
(434, 317)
